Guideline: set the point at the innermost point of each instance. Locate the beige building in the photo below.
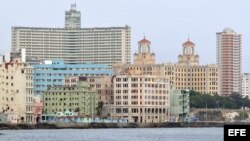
(73, 44)
(144, 55)
(186, 74)
(140, 98)
(16, 90)
(245, 89)
(103, 85)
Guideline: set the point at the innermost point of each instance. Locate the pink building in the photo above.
(229, 61)
(37, 110)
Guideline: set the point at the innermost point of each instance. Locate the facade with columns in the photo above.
(140, 98)
(186, 74)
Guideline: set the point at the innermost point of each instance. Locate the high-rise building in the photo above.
(229, 60)
(245, 90)
(73, 44)
(72, 18)
(16, 91)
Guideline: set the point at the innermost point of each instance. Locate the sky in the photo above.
(166, 23)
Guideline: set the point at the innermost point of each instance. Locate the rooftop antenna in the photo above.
(73, 6)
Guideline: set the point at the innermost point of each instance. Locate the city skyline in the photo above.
(167, 26)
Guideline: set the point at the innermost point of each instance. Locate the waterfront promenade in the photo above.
(114, 125)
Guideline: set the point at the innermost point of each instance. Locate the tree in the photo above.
(99, 108)
(233, 101)
(77, 110)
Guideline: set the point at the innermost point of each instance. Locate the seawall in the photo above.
(111, 125)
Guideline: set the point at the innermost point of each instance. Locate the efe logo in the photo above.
(234, 132)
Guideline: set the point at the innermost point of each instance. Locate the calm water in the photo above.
(147, 134)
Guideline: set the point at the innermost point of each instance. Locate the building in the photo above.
(73, 44)
(246, 85)
(186, 74)
(18, 53)
(188, 56)
(1, 59)
(179, 105)
(72, 18)
(140, 98)
(52, 73)
(102, 84)
(144, 55)
(78, 98)
(16, 90)
(229, 60)
(37, 111)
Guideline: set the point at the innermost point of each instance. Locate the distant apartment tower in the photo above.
(73, 44)
(246, 85)
(229, 60)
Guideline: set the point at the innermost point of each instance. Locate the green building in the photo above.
(179, 105)
(79, 98)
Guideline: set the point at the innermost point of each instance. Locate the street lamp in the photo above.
(206, 110)
(218, 104)
(206, 106)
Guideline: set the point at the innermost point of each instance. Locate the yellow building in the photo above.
(186, 74)
(16, 91)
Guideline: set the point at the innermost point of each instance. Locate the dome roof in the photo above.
(188, 42)
(144, 41)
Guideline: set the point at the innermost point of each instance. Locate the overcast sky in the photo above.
(166, 23)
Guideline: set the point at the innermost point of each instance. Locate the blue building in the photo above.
(52, 73)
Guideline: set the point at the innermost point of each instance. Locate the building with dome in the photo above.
(144, 56)
(187, 73)
(189, 57)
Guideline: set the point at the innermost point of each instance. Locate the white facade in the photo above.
(73, 44)
(141, 98)
(246, 85)
(229, 60)
(16, 90)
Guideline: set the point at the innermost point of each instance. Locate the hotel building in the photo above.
(186, 74)
(73, 44)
